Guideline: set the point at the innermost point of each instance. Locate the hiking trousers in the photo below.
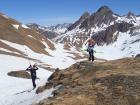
(91, 55)
(33, 81)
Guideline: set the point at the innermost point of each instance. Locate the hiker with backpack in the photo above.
(32, 70)
(90, 42)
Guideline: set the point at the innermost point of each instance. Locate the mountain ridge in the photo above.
(104, 24)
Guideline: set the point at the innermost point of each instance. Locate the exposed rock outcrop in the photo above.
(137, 56)
(107, 36)
(107, 83)
(77, 23)
(20, 74)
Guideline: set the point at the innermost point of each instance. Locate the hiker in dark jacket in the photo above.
(32, 70)
(91, 43)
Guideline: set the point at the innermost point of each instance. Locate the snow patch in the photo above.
(123, 47)
(24, 26)
(16, 26)
(5, 16)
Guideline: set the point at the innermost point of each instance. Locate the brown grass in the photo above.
(102, 83)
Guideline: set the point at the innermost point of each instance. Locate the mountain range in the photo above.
(50, 31)
(110, 30)
(60, 46)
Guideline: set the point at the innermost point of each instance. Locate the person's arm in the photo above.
(29, 68)
(35, 68)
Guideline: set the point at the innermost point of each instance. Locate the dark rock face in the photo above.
(35, 27)
(20, 74)
(137, 56)
(106, 36)
(85, 23)
(50, 34)
(104, 15)
(43, 30)
(53, 81)
(42, 88)
(130, 14)
(82, 19)
(53, 76)
(60, 26)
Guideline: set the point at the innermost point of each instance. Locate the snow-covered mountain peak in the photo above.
(50, 31)
(60, 28)
(108, 27)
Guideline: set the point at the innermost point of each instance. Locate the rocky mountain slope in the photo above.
(19, 40)
(102, 83)
(50, 31)
(107, 28)
(21, 46)
(60, 28)
(43, 30)
(11, 31)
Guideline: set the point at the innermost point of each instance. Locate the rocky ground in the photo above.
(20, 74)
(114, 82)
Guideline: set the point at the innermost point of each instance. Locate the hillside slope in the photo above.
(11, 31)
(21, 46)
(114, 82)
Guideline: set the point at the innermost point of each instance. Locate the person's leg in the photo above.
(89, 58)
(33, 81)
(92, 55)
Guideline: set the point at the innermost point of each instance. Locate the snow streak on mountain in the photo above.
(50, 32)
(21, 46)
(112, 32)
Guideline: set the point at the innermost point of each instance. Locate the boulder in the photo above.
(137, 56)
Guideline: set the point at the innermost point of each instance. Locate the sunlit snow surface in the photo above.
(11, 88)
(15, 26)
(123, 47)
